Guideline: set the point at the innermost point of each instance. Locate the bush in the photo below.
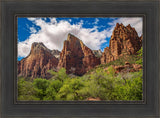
(53, 89)
(69, 90)
(130, 88)
(60, 75)
(140, 58)
(26, 91)
(40, 86)
(103, 84)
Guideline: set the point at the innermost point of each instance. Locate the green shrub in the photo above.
(69, 90)
(60, 75)
(26, 91)
(140, 58)
(40, 86)
(103, 84)
(53, 89)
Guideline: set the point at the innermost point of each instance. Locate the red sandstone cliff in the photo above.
(77, 58)
(38, 62)
(124, 40)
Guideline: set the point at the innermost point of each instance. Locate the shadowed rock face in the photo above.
(56, 53)
(38, 62)
(76, 57)
(124, 40)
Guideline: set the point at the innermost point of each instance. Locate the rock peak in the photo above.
(128, 25)
(117, 25)
(121, 24)
(38, 62)
(37, 46)
(72, 37)
(124, 40)
(75, 57)
(69, 34)
(34, 44)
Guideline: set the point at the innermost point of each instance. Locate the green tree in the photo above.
(26, 91)
(69, 90)
(140, 58)
(40, 86)
(60, 75)
(53, 89)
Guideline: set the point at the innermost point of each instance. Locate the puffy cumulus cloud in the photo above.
(53, 34)
(136, 22)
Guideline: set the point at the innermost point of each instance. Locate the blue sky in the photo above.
(94, 32)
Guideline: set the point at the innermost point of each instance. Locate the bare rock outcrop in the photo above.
(76, 58)
(124, 40)
(125, 68)
(38, 62)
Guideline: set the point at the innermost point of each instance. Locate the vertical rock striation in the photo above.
(77, 58)
(124, 40)
(38, 62)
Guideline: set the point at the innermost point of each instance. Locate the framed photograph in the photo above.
(86, 60)
(80, 59)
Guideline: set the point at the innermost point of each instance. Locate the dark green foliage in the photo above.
(140, 58)
(103, 84)
(60, 75)
(40, 86)
(53, 89)
(69, 90)
(26, 91)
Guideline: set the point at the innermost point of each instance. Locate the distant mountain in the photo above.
(124, 40)
(56, 53)
(38, 62)
(97, 53)
(76, 57)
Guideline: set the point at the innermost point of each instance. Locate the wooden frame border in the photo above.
(149, 8)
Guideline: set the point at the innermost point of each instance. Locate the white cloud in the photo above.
(31, 19)
(70, 20)
(32, 30)
(136, 22)
(53, 20)
(96, 21)
(53, 34)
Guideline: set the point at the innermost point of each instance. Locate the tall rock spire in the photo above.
(76, 57)
(124, 40)
(38, 62)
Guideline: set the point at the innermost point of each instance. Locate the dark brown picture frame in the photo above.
(148, 108)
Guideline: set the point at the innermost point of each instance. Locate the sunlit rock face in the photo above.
(38, 62)
(124, 40)
(77, 58)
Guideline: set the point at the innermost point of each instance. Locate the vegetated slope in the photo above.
(100, 84)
